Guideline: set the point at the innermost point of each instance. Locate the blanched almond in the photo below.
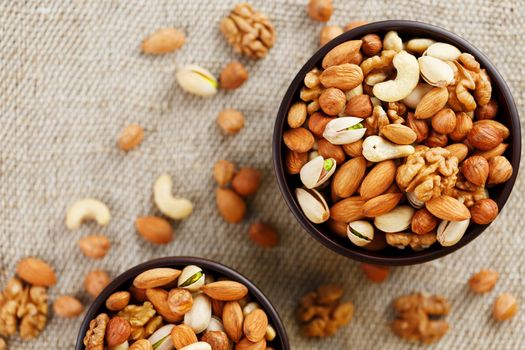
(225, 290)
(448, 208)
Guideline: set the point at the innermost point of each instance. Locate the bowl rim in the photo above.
(356, 33)
(172, 261)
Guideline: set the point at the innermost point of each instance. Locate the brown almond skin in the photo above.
(431, 103)
(458, 150)
(347, 52)
(118, 331)
(298, 140)
(95, 246)
(297, 115)
(246, 181)
(231, 206)
(263, 235)
(317, 123)
(246, 344)
(348, 209)
(483, 281)
(255, 325)
(225, 290)
(348, 177)
(399, 134)
(232, 319)
(328, 150)
(118, 300)
(488, 111)
(156, 277)
(36, 272)
(294, 161)
(447, 208)
(154, 229)
(354, 149)
(96, 281)
(339, 228)
(182, 335)
(67, 306)
(163, 41)
(131, 137)
(381, 204)
(328, 33)
(233, 76)
(378, 180)
(344, 76)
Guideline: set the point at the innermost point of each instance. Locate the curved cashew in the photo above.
(376, 149)
(175, 208)
(405, 81)
(87, 209)
(392, 41)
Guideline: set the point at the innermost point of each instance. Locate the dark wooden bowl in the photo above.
(124, 281)
(508, 115)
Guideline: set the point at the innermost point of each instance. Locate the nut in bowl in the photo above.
(181, 303)
(401, 154)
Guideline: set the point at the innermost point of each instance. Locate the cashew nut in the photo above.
(175, 208)
(405, 81)
(416, 95)
(419, 45)
(392, 41)
(87, 209)
(377, 149)
(443, 51)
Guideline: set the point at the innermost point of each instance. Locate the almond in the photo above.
(344, 76)
(246, 182)
(381, 204)
(157, 277)
(246, 344)
(354, 149)
(96, 281)
(118, 300)
(182, 336)
(483, 281)
(476, 170)
(163, 41)
(378, 180)
(297, 115)
(95, 246)
(497, 151)
(263, 235)
(36, 272)
(141, 344)
(294, 161)
(347, 52)
(431, 103)
(225, 290)
(255, 325)
(347, 210)
(505, 307)
(375, 273)
(298, 140)
(118, 331)
(154, 229)
(348, 177)
(359, 106)
(458, 150)
(232, 319)
(159, 298)
(400, 134)
(317, 123)
(67, 306)
(448, 208)
(328, 150)
(218, 340)
(231, 206)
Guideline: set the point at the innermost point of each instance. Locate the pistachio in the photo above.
(360, 232)
(161, 339)
(377, 149)
(196, 80)
(191, 278)
(317, 171)
(340, 131)
(313, 205)
(435, 72)
(414, 201)
(396, 220)
(443, 51)
(450, 232)
(198, 318)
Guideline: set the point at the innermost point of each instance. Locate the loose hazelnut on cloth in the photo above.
(233, 75)
(231, 121)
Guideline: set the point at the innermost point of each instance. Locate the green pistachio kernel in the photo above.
(328, 164)
(359, 234)
(355, 127)
(192, 279)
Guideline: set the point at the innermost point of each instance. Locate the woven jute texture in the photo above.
(72, 76)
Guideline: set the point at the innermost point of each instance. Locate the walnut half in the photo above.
(94, 339)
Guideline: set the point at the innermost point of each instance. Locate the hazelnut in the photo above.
(223, 171)
(130, 137)
(484, 136)
(231, 121)
(463, 127)
(317, 123)
(328, 33)
(423, 222)
(294, 161)
(484, 211)
(436, 139)
(299, 140)
(297, 114)
(483, 281)
(246, 182)
(320, 10)
(505, 307)
(476, 170)
(332, 101)
(487, 111)
(354, 24)
(328, 150)
(359, 106)
(372, 44)
(500, 170)
(444, 121)
(419, 126)
(218, 340)
(233, 75)
(263, 235)
(180, 300)
(96, 281)
(375, 273)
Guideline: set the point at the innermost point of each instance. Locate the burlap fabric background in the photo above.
(72, 76)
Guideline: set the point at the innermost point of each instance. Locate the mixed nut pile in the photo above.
(397, 141)
(189, 309)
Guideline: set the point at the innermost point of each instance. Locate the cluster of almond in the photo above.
(185, 310)
(397, 141)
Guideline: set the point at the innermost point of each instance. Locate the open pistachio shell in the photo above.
(360, 232)
(199, 317)
(161, 339)
(435, 71)
(340, 131)
(396, 220)
(191, 278)
(450, 232)
(317, 171)
(196, 80)
(443, 51)
(412, 199)
(313, 205)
